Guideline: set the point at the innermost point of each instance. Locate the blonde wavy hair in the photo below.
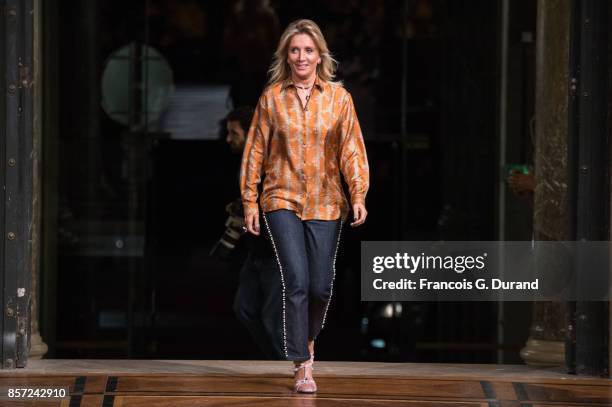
(280, 70)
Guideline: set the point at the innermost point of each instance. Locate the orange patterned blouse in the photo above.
(300, 151)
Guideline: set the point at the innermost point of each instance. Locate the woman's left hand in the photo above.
(359, 214)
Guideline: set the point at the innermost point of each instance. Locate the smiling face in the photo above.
(303, 57)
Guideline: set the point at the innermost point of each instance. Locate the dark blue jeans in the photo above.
(306, 255)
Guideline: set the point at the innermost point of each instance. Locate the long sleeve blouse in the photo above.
(301, 151)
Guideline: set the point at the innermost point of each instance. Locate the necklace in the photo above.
(306, 93)
(306, 88)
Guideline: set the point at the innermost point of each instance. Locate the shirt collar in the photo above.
(318, 83)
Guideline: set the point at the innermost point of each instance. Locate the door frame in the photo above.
(589, 136)
(16, 130)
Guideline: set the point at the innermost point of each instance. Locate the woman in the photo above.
(303, 134)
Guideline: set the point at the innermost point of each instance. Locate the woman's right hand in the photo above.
(252, 223)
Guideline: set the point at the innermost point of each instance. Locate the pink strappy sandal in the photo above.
(305, 385)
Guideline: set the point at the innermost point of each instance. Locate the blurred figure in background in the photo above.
(258, 300)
